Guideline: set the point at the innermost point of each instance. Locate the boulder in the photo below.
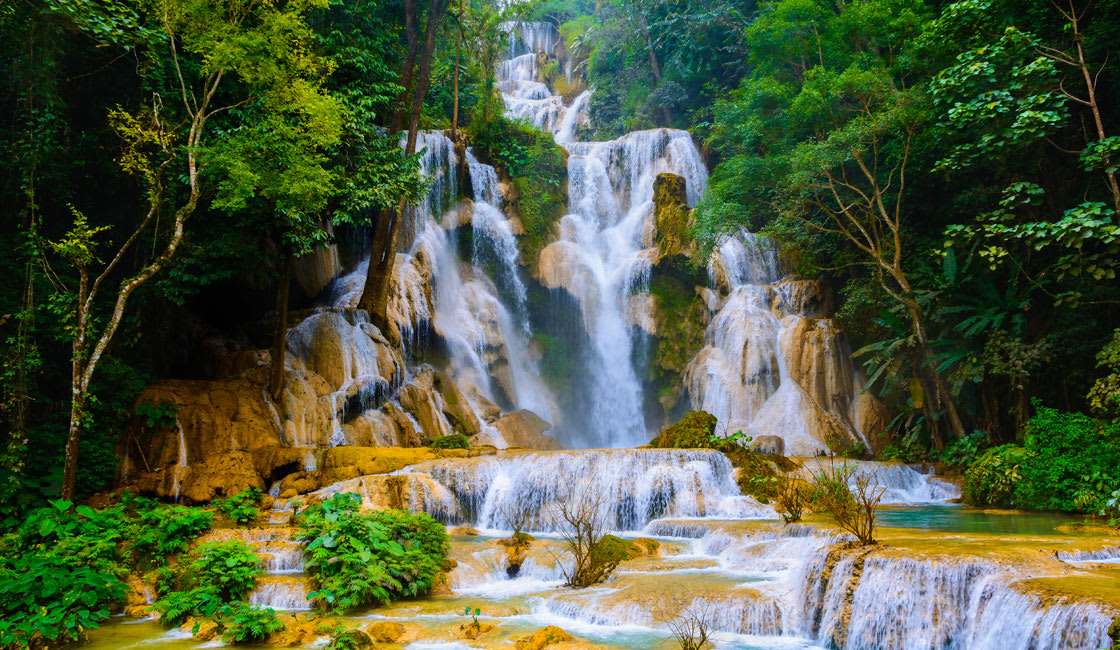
(456, 407)
(773, 445)
(543, 638)
(418, 399)
(672, 216)
(526, 429)
(385, 631)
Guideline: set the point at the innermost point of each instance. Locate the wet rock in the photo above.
(419, 400)
(385, 631)
(526, 429)
(471, 631)
(298, 483)
(773, 445)
(543, 638)
(466, 531)
(456, 407)
(297, 632)
(672, 216)
(206, 630)
(376, 460)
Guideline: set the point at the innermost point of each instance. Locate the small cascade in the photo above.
(771, 363)
(891, 603)
(631, 487)
(180, 464)
(902, 484)
(282, 592)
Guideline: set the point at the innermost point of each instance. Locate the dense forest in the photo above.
(175, 171)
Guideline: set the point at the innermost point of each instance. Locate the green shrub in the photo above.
(374, 557)
(63, 567)
(1070, 454)
(216, 574)
(243, 507)
(59, 573)
(452, 441)
(964, 451)
(992, 478)
(250, 624)
(162, 531)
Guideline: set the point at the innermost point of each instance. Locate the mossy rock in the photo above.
(692, 431)
(611, 549)
(672, 215)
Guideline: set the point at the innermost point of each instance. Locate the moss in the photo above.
(679, 316)
(1114, 633)
(757, 474)
(672, 215)
(694, 430)
(537, 168)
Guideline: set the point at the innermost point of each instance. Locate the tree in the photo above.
(375, 293)
(227, 63)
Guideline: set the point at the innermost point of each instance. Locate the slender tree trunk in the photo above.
(78, 394)
(1091, 87)
(458, 52)
(375, 294)
(280, 329)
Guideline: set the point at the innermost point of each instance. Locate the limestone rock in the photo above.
(456, 407)
(207, 629)
(773, 445)
(672, 216)
(375, 460)
(543, 638)
(298, 483)
(220, 475)
(526, 429)
(385, 631)
(274, 462)
(471, 631)
(872, 419)
(420, 400)
(297, 632)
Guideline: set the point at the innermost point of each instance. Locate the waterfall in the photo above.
(901, 484)
(632, 487)
(771, 363)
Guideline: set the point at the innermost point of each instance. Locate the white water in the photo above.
(901, 484)
(763, 324)
(632, 487)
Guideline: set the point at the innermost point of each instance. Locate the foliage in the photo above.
(242, 507)
(451, 441)
(1068, 462)
(59, 573)
(63, 566)
(215, 575)
(157, 416)
(250, 624)
(963, 452)
(992, 479)
(360, 558)
(695, 429)
(850, 499)
(1104, 396)
(1070, 453)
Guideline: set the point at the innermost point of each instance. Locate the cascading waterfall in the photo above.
(630, 487)
(772, 364)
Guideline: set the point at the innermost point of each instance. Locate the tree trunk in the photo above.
(458, 51)
(375, 294)
(280, 329)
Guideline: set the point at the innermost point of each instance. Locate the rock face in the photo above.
(672, 216)
(526, 429)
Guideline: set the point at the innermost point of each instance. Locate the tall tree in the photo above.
(228, 63)
(375, 293)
